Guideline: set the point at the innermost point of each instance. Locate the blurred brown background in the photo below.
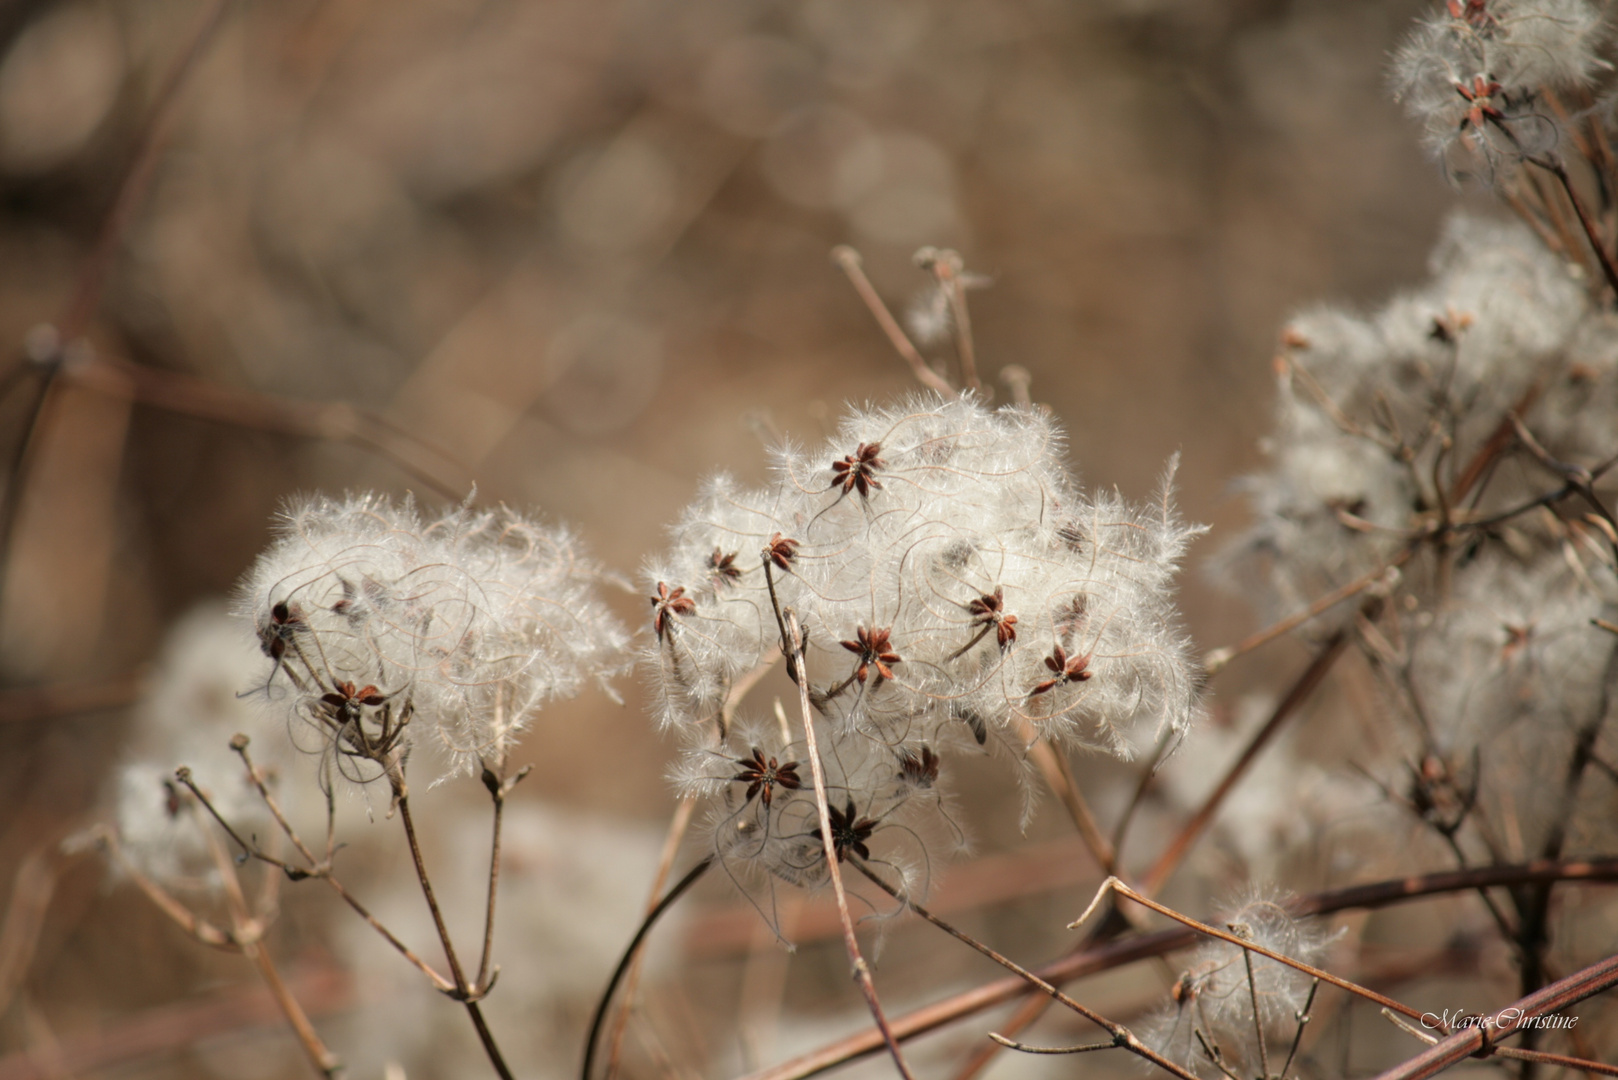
(582, 247)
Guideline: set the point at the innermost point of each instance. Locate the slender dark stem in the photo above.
(1013, 1044)
(498, 787)
(462, 990)
(628, 957)
(1303, 1022)
(494, 883)
(1258, 1017)
(456, 973)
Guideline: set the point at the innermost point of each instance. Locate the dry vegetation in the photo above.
(436, 259)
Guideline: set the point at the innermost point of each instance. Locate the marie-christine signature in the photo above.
(1506, 1020)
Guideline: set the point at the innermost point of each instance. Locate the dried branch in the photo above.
(850, 261)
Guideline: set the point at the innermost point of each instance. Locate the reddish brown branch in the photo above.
(1115, 954)
(1479, 1041)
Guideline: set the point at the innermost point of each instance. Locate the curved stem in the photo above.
(628, 957)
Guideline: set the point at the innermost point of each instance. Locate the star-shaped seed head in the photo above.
(667, 604)
(857, 471)
(874, 649)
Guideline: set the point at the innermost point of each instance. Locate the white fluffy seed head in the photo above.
(461, 627)
(956, 591)
(937, 554)
(1476, 81)
(1353, 454)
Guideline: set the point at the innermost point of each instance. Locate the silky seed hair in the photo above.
(445, 634)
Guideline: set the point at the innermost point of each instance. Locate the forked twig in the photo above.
(463, 990)
(247, 932)
(318, 868)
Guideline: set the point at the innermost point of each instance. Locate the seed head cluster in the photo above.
(1476, 74)
(388, 631)
(1381, 416)
(956, 590)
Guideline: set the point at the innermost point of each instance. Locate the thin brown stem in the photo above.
(1591, 233)
(652, 915)
(1547, 235)
(1024, 1048)
(1018, 381)
(239, 744)
(322, 868)
(1258, 1016)
(459, 977)
(318, 1053)
(177, 392)
(1136, 797)
(32, 887)
(248, 933)
(194, 925)
(850, 261)
(441, 984)
(496, 786)
(947, 267)
(862, 970)
(499, 786)
(678, 826)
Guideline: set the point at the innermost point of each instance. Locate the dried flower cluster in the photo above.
(1481, 76)
(393, 632)
(1381, 417)
(1450, 451)
(955, 588)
